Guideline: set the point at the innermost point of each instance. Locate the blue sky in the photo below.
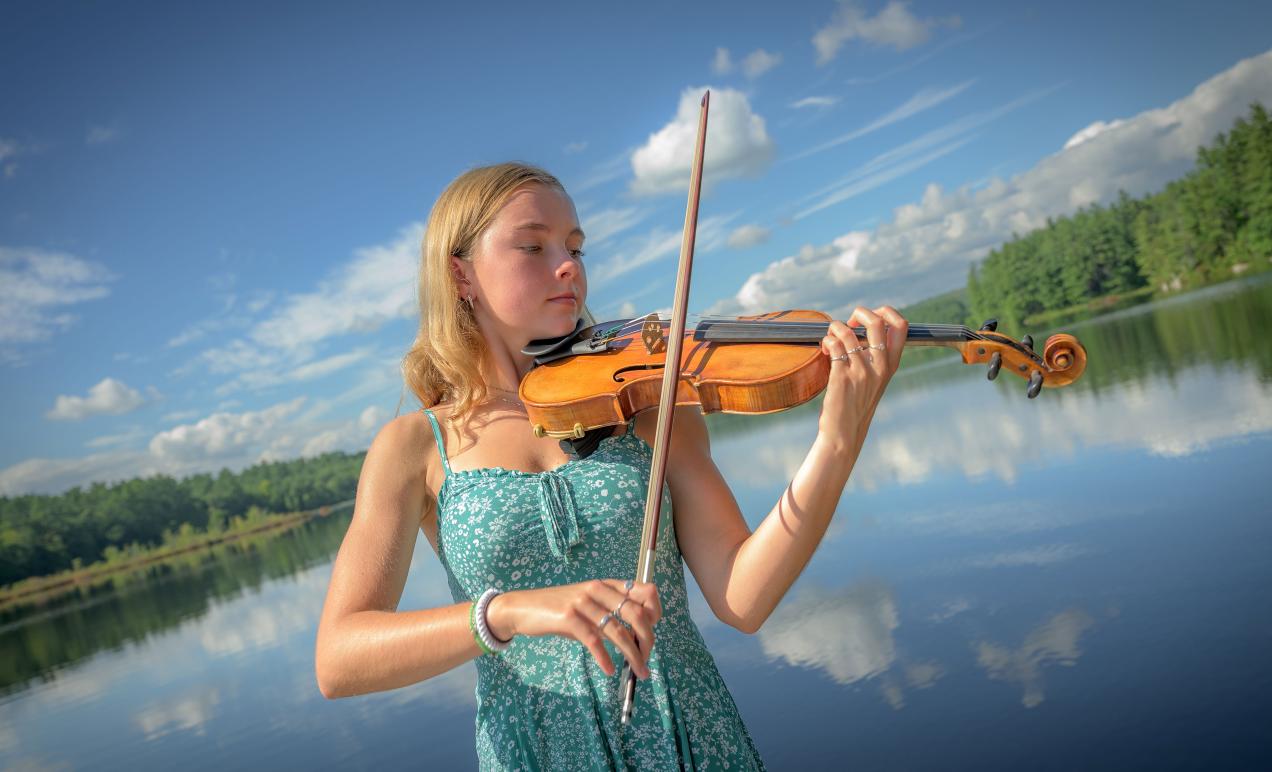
(209, 217)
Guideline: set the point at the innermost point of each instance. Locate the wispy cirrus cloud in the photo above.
(36, 286)
(814, 101)
(377, 286)
(658, 244)
(924, 99)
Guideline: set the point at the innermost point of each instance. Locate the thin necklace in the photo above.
(509, 400)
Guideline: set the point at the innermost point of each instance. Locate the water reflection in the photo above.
(188, 712)
(45, 641)
(1128, 489)
(1164, 379)
(1055, 641)
(846, 634)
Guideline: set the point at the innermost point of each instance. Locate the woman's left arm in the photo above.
(744, 575)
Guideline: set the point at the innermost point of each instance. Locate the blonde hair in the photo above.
(445, 360)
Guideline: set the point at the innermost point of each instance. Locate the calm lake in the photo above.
(1081, 581)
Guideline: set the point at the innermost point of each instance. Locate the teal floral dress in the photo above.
(545, 703)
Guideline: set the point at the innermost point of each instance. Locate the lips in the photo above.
(566, 296)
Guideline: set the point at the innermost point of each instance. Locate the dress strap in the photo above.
(437, 434)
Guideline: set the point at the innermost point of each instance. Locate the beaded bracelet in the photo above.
(479, 626)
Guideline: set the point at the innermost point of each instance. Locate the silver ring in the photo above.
(618, 612)
(629, 585)
(880, 346)
(605, 620)
(843, 358)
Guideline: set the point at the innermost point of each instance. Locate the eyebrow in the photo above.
(538, 226)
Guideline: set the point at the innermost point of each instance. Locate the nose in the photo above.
(569, 265)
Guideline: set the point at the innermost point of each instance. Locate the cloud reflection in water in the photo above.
(915, 435)
(1053, 642)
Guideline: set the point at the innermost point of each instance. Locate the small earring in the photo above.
(469, 301)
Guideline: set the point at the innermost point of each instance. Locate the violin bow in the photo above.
(667, 402)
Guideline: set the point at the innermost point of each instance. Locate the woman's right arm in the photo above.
(365, 645)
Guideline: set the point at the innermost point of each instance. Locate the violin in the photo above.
(605, 374)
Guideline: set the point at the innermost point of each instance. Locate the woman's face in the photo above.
(527, 271)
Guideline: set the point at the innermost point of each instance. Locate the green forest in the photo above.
(43, 534)
(1213, 224)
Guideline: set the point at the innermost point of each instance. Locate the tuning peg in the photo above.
(995, 362)
(1027, 342)
(1035, 383)
(990, 325)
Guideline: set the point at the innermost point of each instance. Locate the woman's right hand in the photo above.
(576, 610)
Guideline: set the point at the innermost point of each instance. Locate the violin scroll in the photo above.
(1062, 362)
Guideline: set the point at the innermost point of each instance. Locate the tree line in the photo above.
(42, 534)
(1211, 224)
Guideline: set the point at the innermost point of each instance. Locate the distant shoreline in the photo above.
(39, 588)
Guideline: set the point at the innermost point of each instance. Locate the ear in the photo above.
(459, 270)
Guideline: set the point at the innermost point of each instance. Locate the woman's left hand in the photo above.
(857, 383)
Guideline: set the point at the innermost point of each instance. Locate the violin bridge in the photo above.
(651, 334)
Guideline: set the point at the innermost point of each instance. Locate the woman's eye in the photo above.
(577, 253)
(531, 248)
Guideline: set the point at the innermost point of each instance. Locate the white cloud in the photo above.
(134, 434)
(893, 26)
(862, 80)
(748, 235)
(100, 135)
(376, 287)
(928, 245)
(54, 475)
(34, 286)
(263, 378)
(223, 439)
(657, 244)
(814, 101)
(602, 225)
(372, 418)
(574, 147)
(603, 172)
(108, 397)
(923, 100)
(739, 144)
(8, 148)
(759, 62)
(722, 63)
(221, 434)
(1094, 130)
(882, 169)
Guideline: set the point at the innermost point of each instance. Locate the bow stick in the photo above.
(667, 403)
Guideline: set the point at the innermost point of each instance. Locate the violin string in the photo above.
(734, 324)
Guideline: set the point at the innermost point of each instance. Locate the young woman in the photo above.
(537, 546)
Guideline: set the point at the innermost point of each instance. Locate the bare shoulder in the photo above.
(401, 458)
(402, 437)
